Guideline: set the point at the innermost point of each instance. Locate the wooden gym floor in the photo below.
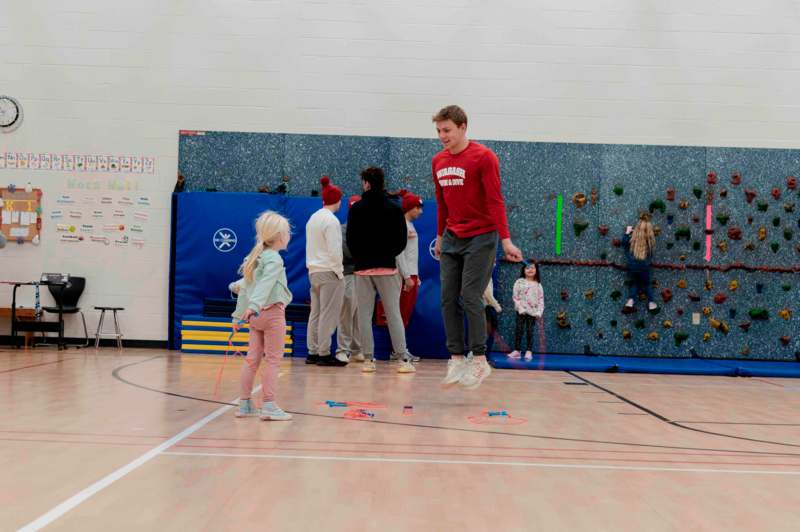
(134, 440)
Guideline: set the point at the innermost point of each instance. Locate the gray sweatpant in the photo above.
(465, 269)
(388, 287)
(347, 335)
(327, 291)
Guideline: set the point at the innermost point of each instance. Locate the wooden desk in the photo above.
(22, 314)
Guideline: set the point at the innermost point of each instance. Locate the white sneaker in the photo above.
(406, 367)
(369, 366)
(528, 355)
(629, 303)
(357, 358)
(514, 354)
(342, 356)
(475, 373)
(455, 368)
(394, 356)
(272, 412)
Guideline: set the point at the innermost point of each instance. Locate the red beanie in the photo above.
(330, 193)
(353, 199)
(410, 201)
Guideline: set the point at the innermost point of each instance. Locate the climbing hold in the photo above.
(719, 325)
(733, 285)
(723, 193)
(697, 192)
(696, 219)
(683, 204)
(694, 297)
(639, 324)
(774, 246)
(564, 294)
(749, 220)
(589, 321)
(613, 323)
(618, 190)
(656, 230)
(666, 295)
(708, 284)
(680, 337)
(762, 233)
(786, 287)
(615, 295)
(785, 340)
(776, 222)
(652, 336)
(626, 334)
(594, 196)
(603, 255)
(682, 258)
(722, 218)
(720, 298)
(589, 294)
(791, 182)
(580, 227)
(758, 313)
(600, 335)
(736, 178)
(711, 178)
(669, 244)
(679, 311)
(579, 199)
(682, 283)
(562, 320)
(750, 246)
(602, 229)
(706, 311)
(706, 336)
(670, 194)
(670, 219)
(785, 313)
(750, 195)
(745, 326)
(696, 245)
(776, 193)
(788, 207)
(745, 351)
(723, 246)
(667, 324)
(616, 242)
(734, 233)
(787, 234)
(657, 205)
(762, 206)
(683, 232)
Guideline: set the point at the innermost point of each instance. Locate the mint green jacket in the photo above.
(269, 285)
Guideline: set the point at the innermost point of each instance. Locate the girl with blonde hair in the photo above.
(639, 243)
(263, 296)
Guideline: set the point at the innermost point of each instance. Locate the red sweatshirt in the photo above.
(468, 194)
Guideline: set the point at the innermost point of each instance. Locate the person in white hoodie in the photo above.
(325, 273)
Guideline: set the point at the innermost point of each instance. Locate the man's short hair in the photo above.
(451, 112)
(374, 176)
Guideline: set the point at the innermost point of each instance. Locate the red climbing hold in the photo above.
(734, 233)
(666, 295)
(720, 298)
(736, 178)
(776, 193)
(791, 182)
(750, 195)
(711, 178)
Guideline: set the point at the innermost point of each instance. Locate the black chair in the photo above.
(66, 299)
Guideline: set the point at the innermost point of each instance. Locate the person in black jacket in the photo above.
(376, 234)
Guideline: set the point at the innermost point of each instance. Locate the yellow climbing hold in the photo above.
(785, 313)
(733, 285)
(667, 324)
(706, 311)
(653, 336)
(682, 283)
(706, 336)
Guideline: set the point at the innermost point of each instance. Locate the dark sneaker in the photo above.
(312, 359)
(330, 361)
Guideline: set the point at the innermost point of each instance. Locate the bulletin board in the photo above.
(20, 214)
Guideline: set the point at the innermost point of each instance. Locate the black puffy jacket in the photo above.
(376, 231)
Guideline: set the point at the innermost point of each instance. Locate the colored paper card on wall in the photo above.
(11, 160)
(69, 163)
(34, 161)
(80, 163)
(2, 161)
(143, 200)
(22, 161)
(136, 165)
(45, 161)
(56, 214)
(91, 163)
(113, 163)
(65, 198)
(57, 161)
(149, 164)
(102, 163)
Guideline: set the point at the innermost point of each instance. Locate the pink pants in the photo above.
(267, 331)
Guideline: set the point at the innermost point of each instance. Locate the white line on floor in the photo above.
(479, 462)
(106, 481)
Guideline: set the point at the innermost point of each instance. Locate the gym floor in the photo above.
(147, 440)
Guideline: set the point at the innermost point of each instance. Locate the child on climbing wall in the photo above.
(528, 299)
(639, 243)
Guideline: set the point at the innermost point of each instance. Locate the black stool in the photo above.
(117, 333)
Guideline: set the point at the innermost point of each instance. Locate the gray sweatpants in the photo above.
(327, 291)
(465, 269)
(348, 332)
(388, 287)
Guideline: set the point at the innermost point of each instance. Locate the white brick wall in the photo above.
(123, 77)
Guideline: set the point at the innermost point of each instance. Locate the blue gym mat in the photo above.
(671, 366)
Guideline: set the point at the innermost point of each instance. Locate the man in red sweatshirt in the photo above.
(471, 219)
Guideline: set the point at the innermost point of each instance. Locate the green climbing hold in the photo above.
(763, 206)
(776, 221)
(680, 337)
(669, 244)
(697, 192)
(696, 245)
(723, 218)
(774, 246)
(613, 323)
(639, 324)
(786, 287)
(618, 190)
(603, 255)
(615, 295)
(580, 227)
(787, 234)
(758, 313)
(658, 205)
(683, 232)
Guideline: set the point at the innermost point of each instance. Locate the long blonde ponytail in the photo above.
(269, 227)
(643, 239)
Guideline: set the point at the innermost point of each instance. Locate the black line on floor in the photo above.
(116, 371)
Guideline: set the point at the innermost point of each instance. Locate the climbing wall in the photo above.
(738, 303)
